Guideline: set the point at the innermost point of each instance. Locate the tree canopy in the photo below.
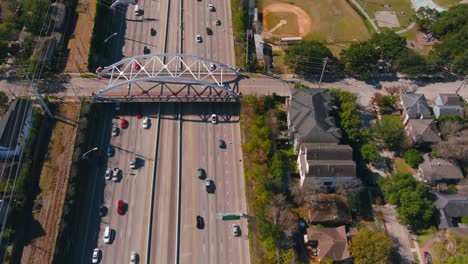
(360, 59)
(411, 197)
(370, 152)
(305, 55)
(413, 157)
(371, 247)
(425, 17)
(389, 44)
(349, 117)
(389, 130)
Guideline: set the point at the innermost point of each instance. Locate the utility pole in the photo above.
(323, 70)
(294, 71)
(37, 94)
(462, 84)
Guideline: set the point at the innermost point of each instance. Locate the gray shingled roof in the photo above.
(439, 169)
(449, 110)
(12, 123)
(328, 151)
(415, 105)
(424, 130)
(309, 113)
(450, 206)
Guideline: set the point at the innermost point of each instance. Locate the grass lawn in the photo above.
(290, 28)
(278, 60)
(332, 20)
(402, 167)
(424, 235)
(402, 8)
(446, 3)
(337, 48)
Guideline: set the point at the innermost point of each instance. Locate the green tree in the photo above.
(349, 117)
(361, 59)
(389, 130)
(451, 21)
(413, 157)
(415, 209)
(301, 55)
(392, 187)
(425, 17)
(389, 44)
(411, 63)
(278, 169)
(371, 247)
(34, 14)
(370, 152)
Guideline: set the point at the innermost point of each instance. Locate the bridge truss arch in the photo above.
(169, 77)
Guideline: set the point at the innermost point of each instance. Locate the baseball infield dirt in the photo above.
(303, 20)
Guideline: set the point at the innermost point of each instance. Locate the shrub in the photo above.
(413, 157)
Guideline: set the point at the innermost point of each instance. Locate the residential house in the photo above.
(422, 131)
(435, 170)
(329, 243)
(451, 208)
(448, 105)
(326, 164)
(414, 107)
(310, 117)
(329, 209)
(14, 128)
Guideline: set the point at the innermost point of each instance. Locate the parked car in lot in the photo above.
(116, 174)
(120, 209)
(200, 222)
(236, 230)
(221, 144)
(110, 151)
(214, 119)
(115, 131)
(201, 173)
(146, 123)
(102, 210)
(107, 235)
(108, 174)
(123, 123)
(209, 186)
(133, 257)
(96, 255)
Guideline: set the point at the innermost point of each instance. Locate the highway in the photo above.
(214, 243)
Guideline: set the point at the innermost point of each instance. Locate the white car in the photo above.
(107, 235)
(212, 66)
(211, 7)
(133, 257)
(214, 119)
(115, 131)
(236, 230)
(115, 176)
(133, 163)
(146, 122)
(96, 253)
(199, 39)
(108, 174)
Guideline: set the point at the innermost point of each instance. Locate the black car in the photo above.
(210, 188)
(102, 210)
(209, 31)
(153, 32)
(200, 222)
(427, 257)
(146, 50)
(221, 144)
(201, 173)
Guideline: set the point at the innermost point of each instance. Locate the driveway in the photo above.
(399, 235)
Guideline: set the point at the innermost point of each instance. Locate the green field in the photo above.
(446, 3)
(402, 8)
(333, 21)
(290, 28)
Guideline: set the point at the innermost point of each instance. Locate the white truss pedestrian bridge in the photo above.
(169, 77)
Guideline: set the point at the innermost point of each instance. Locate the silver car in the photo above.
(133, 257)
(236, 230)
(96, 254)
(108, 174)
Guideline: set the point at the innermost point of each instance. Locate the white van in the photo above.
(137, 10)
(107, 235)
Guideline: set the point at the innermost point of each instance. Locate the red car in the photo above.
(123, 123)
(136, 65)
(138, 116)
(120, 209)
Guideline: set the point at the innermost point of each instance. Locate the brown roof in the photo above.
(450, 99)
(424, 130)
(439, 169)
(329, 209)
(332, 242)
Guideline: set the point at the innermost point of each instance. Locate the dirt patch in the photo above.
(53, 182)
(304, 22)
(79, 42)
